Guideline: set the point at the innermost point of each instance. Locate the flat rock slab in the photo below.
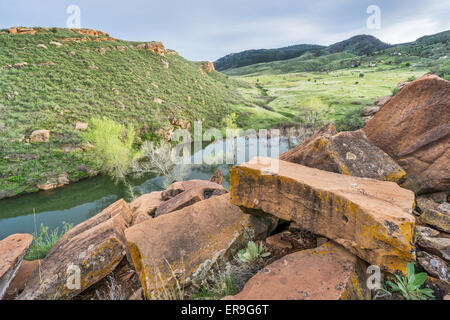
(187, 198)
(92, 250)
(12, 251)
(189, 241)
(413, 127)
(328, 272)
(349, 153)
(371, 218)
(181, 186)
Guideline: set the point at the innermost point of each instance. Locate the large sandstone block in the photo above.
(371, 218)
(328, 272)
(12, 251)
(348, 153)
(92, 249)
(414, 129)
(189, 241)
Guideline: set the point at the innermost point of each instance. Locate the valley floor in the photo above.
(324, 96)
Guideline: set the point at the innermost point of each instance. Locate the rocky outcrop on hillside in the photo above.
(414, 129)
(155, 46)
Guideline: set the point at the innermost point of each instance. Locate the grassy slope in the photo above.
(338, 90)
(123, 88)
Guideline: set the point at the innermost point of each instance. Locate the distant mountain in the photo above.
(435, 38)
(428, 51)
(248, 57)
(359, 45)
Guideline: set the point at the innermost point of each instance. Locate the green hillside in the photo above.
(68, 82)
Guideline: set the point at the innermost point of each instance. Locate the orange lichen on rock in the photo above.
(349, 153)
(370, 218)
(92, 249)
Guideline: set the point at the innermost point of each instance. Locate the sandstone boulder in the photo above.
(414, 129)
(328, 272)
(381, 101)
(12, 251)
(369, 111)
(370, 218)
(40, 136)
(91, 250)
(186, 243)
(187, 198)
(144, 207)
(156, 47)
(348, 153)
(208, 66)
(181, 186)
(81, 125)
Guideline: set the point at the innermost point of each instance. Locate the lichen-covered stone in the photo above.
(189, 241)
(93, 249)
(349, 153)
(328, 272)
(436, 219)
(371, 218)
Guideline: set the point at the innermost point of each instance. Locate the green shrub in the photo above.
(43, 242)
(409, 286)
(395, 90)
(113, 143)
(351, 121)
(252, 252)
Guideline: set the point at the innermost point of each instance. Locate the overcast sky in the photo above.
(210, 29)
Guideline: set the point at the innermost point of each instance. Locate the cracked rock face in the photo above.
(370, 218)
(413, 128)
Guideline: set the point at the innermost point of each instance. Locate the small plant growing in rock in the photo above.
(409, 286)
(252, 252)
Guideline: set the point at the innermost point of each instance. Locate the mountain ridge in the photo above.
(358, 45)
